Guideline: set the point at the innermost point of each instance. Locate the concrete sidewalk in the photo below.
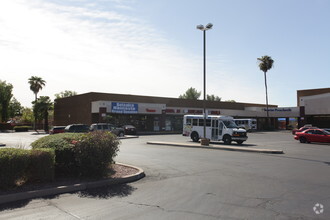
(218, 147)
(72, 188)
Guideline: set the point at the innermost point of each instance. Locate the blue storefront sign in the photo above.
(124, 108)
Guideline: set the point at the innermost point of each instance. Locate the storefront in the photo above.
(159, 114)
(314, 107)
(144, 116)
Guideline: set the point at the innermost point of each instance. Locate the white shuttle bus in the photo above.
(249, 124)
(218, 128)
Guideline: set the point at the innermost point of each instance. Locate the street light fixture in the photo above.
(204, 29)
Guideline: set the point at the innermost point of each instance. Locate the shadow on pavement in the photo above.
(14, 205)
(107, 192)
(229, 145)
(299, 158)
(233, 144)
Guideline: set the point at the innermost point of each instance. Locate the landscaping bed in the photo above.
(114, 171)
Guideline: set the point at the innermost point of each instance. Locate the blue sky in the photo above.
(152, 47)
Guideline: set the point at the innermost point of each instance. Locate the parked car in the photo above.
(313, 135)
(57, 129)
(305, 127)
(108, 127)
(327, 129)
(77, 128)
(129, 129)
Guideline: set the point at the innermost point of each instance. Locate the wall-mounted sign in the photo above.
(124, 108)
(151, 108)
(278, 109)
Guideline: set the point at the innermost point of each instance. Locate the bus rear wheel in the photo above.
(194, 136)
(227, 139)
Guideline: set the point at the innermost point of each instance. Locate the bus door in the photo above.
(220, 129)
(215, 129)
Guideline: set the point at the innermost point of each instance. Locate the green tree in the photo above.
(66, 93)
(41, 108)
(36, 84)
(27, 115)
(265, 64)
(5, 97)
(15, 108)
(213, 98)
(191, 93)
(231, 100)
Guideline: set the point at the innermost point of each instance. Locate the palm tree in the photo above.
(265, 64)
(36, 84)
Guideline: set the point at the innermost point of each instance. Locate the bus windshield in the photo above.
(230, 124)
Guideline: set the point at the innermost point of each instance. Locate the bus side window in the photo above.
(201, 122)
(188, 122)
(195, 122)
(208, 122)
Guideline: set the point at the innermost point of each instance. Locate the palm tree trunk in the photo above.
(266, 99)
(35, 116)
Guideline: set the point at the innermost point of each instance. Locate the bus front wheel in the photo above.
(194, 136)
(227, 139)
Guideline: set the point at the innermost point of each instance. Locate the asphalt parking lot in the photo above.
(188, 183)
(19, 139)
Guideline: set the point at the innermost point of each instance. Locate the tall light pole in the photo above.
(204, 29)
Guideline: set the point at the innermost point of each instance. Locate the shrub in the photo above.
(94, 152)
(57, 141)
(87, 155)
(22, 128)
(41, 166)
(13, 166)
(65, 163)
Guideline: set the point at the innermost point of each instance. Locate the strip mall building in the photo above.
(158, 114)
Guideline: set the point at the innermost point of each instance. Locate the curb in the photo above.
(128, 137)
(72, 188)
(215, 147)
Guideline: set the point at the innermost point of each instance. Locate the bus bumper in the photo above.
(239, 138)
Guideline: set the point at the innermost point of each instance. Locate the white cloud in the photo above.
(89, 49)
(83, 49)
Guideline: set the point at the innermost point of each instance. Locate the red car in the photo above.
(303, 129)
(313, 135)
